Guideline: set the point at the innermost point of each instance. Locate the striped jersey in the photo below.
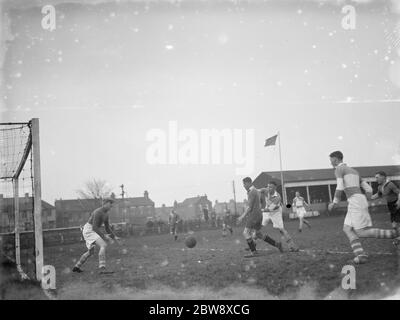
(348, 180)
(298, 202)
(274, 202)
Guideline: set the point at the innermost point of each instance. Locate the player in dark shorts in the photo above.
(94, 236)
(253, 217)
(391, 193)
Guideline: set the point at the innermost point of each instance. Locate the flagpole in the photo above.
(282, 182)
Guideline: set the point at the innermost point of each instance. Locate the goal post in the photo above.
(21, 236)
(37, 198)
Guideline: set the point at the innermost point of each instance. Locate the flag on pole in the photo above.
(271, 141)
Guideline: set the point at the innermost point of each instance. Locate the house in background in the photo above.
(163, 212)
(26, 214)
(76, 212)
(220, 207)
(134, 210)
(192, 208)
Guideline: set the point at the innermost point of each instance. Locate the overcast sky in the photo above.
(112, 71)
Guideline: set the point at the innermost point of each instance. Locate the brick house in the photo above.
(26, 214)
(192, 208)
(76, 212)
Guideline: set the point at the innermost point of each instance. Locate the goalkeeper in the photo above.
(94, 236)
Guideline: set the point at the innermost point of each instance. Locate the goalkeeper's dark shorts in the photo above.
(394, 212)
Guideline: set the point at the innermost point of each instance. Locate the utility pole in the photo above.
(123, 202)
(234, 196)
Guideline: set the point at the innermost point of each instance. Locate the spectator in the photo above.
(159, 225)
(205, 214)
(213, 219)
(149, 226)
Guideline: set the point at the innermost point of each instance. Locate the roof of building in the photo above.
(91, 204)
(319, 174)
(193, 200)
(25, 203)
(139, 201)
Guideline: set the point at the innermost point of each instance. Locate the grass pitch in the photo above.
(157, 267)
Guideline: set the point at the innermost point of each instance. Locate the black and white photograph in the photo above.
(211, 151)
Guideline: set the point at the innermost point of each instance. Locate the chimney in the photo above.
(146, 195)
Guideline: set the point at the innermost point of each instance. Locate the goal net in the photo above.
(21, 243)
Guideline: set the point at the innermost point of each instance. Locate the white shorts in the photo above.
(357, 212)
(275, 217)
(89, 235)
(301, 211)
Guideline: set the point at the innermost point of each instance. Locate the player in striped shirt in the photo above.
(357, 223)
(271, 206)
(298, 206)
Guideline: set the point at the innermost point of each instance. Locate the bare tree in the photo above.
(94, 189)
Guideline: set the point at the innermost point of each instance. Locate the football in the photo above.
(190, 242)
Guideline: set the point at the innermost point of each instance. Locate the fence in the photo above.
(60, 236)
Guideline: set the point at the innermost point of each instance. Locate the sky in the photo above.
(114, 73)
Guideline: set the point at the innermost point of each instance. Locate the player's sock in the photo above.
(269, 240)
(357, 248)
(307, 223)
(380, 233)
(83, 259)
(77, 269)
(251, 244)
(102, 259)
